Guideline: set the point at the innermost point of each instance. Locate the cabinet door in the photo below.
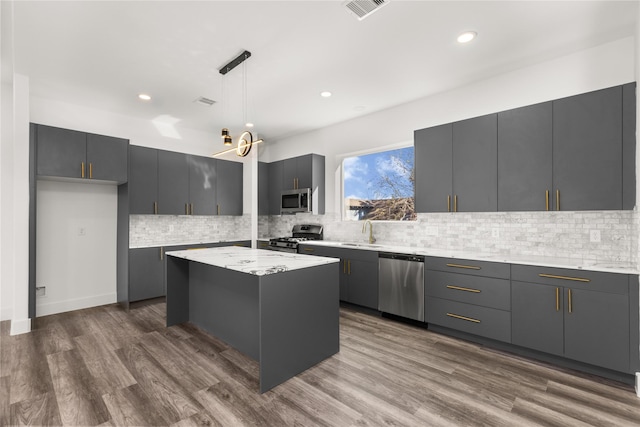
(143, 180)
(363, 283)
(475, 168)
(229, 187)
(433, 169)
(107, 158)
(597, 328)
(289, 173)
(146, 273)
(537, 317)
(202, 185)
(525, 158)
(61, 152)
(263, 188)
(587, 151)
(276, 170)
(344, 280)
(304, 174)
(629, 146)
(173, 183)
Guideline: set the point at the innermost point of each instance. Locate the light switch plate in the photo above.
(594, 236)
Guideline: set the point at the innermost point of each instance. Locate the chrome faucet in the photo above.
(364, 228)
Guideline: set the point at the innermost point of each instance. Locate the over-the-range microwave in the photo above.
(293, 201)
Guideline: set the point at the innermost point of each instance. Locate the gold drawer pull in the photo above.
(470, 267)
(553, 276)
(468, 319)
(82, 170)
(308, 249)
(547, 199)
(458, 288)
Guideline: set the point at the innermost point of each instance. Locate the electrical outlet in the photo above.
(594, 236)
(82, 231)
(495, 233)
(41, 291)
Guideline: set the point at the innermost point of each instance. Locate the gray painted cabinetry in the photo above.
(275, 171)
(433, 169)
(68, 153)
(143, 180)
(581, 315)
(229, 188)
(203, 185)
(358, 273)
(173, 183)
(263, 188)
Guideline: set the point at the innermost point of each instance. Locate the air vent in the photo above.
(363, 8)
(205, 101)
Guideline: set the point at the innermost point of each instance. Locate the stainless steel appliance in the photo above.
(401, 285)
(294, 201)
(299, 233)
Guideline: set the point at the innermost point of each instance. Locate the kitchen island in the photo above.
(280, 309)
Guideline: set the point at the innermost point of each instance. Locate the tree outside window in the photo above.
(380, 186)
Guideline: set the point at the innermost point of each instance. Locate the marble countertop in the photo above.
(259, 262)
(572, 263)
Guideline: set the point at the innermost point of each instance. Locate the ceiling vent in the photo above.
(205, 101)
(363, 8)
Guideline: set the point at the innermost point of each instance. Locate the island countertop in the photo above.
(252, 261)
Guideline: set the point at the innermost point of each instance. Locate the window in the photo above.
(379, 186)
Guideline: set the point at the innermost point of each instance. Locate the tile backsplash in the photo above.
(552, 234)
(164, 230)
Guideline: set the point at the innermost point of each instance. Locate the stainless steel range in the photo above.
(300, 233)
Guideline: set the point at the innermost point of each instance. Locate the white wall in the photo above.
(75, 245)
(603, 66)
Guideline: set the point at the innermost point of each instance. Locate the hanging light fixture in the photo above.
(245, 141)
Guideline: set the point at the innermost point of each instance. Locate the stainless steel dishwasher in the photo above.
(401, 285)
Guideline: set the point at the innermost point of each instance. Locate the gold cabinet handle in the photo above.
(557, 299)
(449, 203)
(469, 267)
(458, 288)
(557, 200)
(191, 208)
(90, 170)
(575, 279)
(546, 196)
(186, 208)
(155, 208)
(570, 303)
(455, 203)
(349, 268)
(468, 319)
(308, 249)
(82, 170)
(161, 253)
(218, 207)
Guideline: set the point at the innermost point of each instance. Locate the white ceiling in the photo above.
(102, 54)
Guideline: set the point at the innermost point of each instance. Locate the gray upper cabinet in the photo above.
(173, 183)
(202, 185)
(72, 154)
(525, 150)
(143, 180)
(587, 151)
(275, 172)
(475, 153)
(433, 168)
(629, 146)
(290, 174)
(263, 188)
(229, 187)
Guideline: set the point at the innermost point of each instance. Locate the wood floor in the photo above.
(104, 366)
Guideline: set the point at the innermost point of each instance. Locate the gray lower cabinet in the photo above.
(580, 315)
(146, 273)
(143, 180)
(229, 187)
(358, 273)
(587, 151)
(68, 153)
(525, 151)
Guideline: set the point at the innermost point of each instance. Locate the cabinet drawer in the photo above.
(473, 319)
(580, 279)
(465, 266)
(484, 291)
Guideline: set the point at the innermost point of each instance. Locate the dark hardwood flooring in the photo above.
(105, 366)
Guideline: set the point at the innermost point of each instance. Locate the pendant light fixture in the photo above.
(245, 141)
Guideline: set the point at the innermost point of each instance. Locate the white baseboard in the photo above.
(47, 308)
(6, 312)
(20, 326)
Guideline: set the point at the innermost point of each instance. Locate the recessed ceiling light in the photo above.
(249, 125)
(467, 36)
(325, 94)
(144, 97)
